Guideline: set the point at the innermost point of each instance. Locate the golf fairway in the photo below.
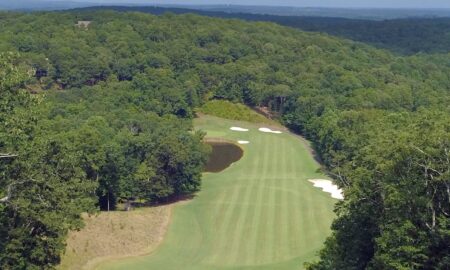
(260, 213)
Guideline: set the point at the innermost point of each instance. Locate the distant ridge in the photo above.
(350, 13)
(27, 5)
(405, 36)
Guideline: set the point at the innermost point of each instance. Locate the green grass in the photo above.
(260, 213)
(233, 111)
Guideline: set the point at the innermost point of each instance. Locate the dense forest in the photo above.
(402, 36)
(95, 115)
(406, 36)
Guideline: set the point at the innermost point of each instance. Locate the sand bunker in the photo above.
(238, 129)
(243, 142)
(268, 130)
(329, 187)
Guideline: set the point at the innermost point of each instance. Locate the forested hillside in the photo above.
(112, 120)
(405, 36)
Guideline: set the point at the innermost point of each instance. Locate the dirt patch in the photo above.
(265, 111)
(113, 235)
(223, 154)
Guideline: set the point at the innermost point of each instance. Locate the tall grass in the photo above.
(233, 111)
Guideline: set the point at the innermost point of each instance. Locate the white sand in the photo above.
(268, 130)
(238, 129)
(329, 187)
(243, 142)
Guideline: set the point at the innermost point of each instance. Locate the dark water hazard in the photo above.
(222, 156)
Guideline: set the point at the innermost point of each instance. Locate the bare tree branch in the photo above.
(6, 199)
(3, 155)
(420, 150)
(10, 190)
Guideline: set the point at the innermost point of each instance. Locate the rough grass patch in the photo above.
(112, 235)
(233, 111)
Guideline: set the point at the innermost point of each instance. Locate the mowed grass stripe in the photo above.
(247, 246)
(274, 216)
(277, 218)
(216, 222)
(240, 202)
(227, 224)
(306, 207)
(258, 223)
(269, 206)
(284, 243)
(241, 247)
(293, 217)
(309, 222)
(277, 222)
(245, 202)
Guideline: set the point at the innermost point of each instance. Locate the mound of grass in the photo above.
(233, 111)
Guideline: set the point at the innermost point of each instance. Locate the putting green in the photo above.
(260, 213)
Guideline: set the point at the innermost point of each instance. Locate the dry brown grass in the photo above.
(112, 235)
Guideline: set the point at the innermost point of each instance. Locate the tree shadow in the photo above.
(130, 204)
(174, 199)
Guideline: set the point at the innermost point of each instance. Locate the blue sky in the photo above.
(308, 3)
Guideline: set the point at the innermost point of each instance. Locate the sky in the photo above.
(300, 3)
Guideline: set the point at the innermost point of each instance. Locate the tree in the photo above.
(44, 193)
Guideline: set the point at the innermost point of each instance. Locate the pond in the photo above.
(222, 156)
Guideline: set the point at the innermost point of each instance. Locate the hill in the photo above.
(33, 5)
(404, 36)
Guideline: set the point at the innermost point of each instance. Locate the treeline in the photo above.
(115, 123)
(405, 36)
(131, 148)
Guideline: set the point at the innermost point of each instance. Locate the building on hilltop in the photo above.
(84, 24)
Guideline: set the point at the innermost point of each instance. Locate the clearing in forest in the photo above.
(259, 213)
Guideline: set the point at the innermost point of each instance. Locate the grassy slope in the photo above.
(233, 111)
(261, 213)
(114, 235)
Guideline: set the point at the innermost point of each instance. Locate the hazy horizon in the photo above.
(406, 4)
